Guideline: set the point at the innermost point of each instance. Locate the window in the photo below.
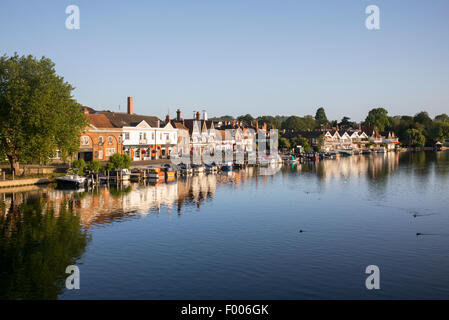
(110, 141)
(100, 154)
(119, 139)
(100, 140)
(126, 135)
(110, 152)
(160, 136)
(85, 140)
(152, 136)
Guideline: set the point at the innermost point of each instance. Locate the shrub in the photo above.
(79, 165)
(118, 161)
(95, 166)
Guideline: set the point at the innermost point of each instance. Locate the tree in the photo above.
(345, 123)
(284, 143)
(415, 138)
(378, 118)
(270, 121)
(293, 123)
(95, 166)
(79, 165)
(246, 119)
(320, 117)
(300, 141)
(423, 118)
(38, 114)
(442, 117)
(440, 131)
(310, 123)
(119, 161)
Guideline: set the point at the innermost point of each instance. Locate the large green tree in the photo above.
(321, 117)
(416, 138)
(378, 118)
(38, 114)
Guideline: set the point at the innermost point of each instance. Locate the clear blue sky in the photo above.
(238, 57)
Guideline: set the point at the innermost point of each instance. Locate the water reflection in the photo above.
(118, 202)
(37, 243)
(42, 230)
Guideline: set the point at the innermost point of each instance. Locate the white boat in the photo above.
(72, 180)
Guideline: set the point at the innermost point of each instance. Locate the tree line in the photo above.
(413, 131)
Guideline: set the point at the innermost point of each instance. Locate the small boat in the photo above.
(155, 173)
(346, 153)
(211, 167)
(227, 166)
(169, 173)
(72, 181)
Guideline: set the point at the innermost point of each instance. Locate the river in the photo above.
(306, 232)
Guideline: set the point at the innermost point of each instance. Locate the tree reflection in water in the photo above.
(36, 246)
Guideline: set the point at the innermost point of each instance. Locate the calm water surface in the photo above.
(236, 236)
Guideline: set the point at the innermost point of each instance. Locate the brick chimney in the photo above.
(130, 105)
(167, 118)
(198, 116)
(178, 115)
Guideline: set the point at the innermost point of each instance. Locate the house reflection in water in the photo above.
(116, 202)
(107, 204)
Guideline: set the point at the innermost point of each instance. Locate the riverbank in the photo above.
(23, 182)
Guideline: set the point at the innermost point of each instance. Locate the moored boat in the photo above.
(155, 173)
(227, 166)
(211, 167)
(72, 181)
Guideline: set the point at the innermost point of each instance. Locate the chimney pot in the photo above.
(167, 118)
(130, 105)
(198, 116)
(205, 115)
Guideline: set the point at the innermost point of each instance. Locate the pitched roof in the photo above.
(189, 123)
(99, 121)
(178, 125)
(119, 119)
